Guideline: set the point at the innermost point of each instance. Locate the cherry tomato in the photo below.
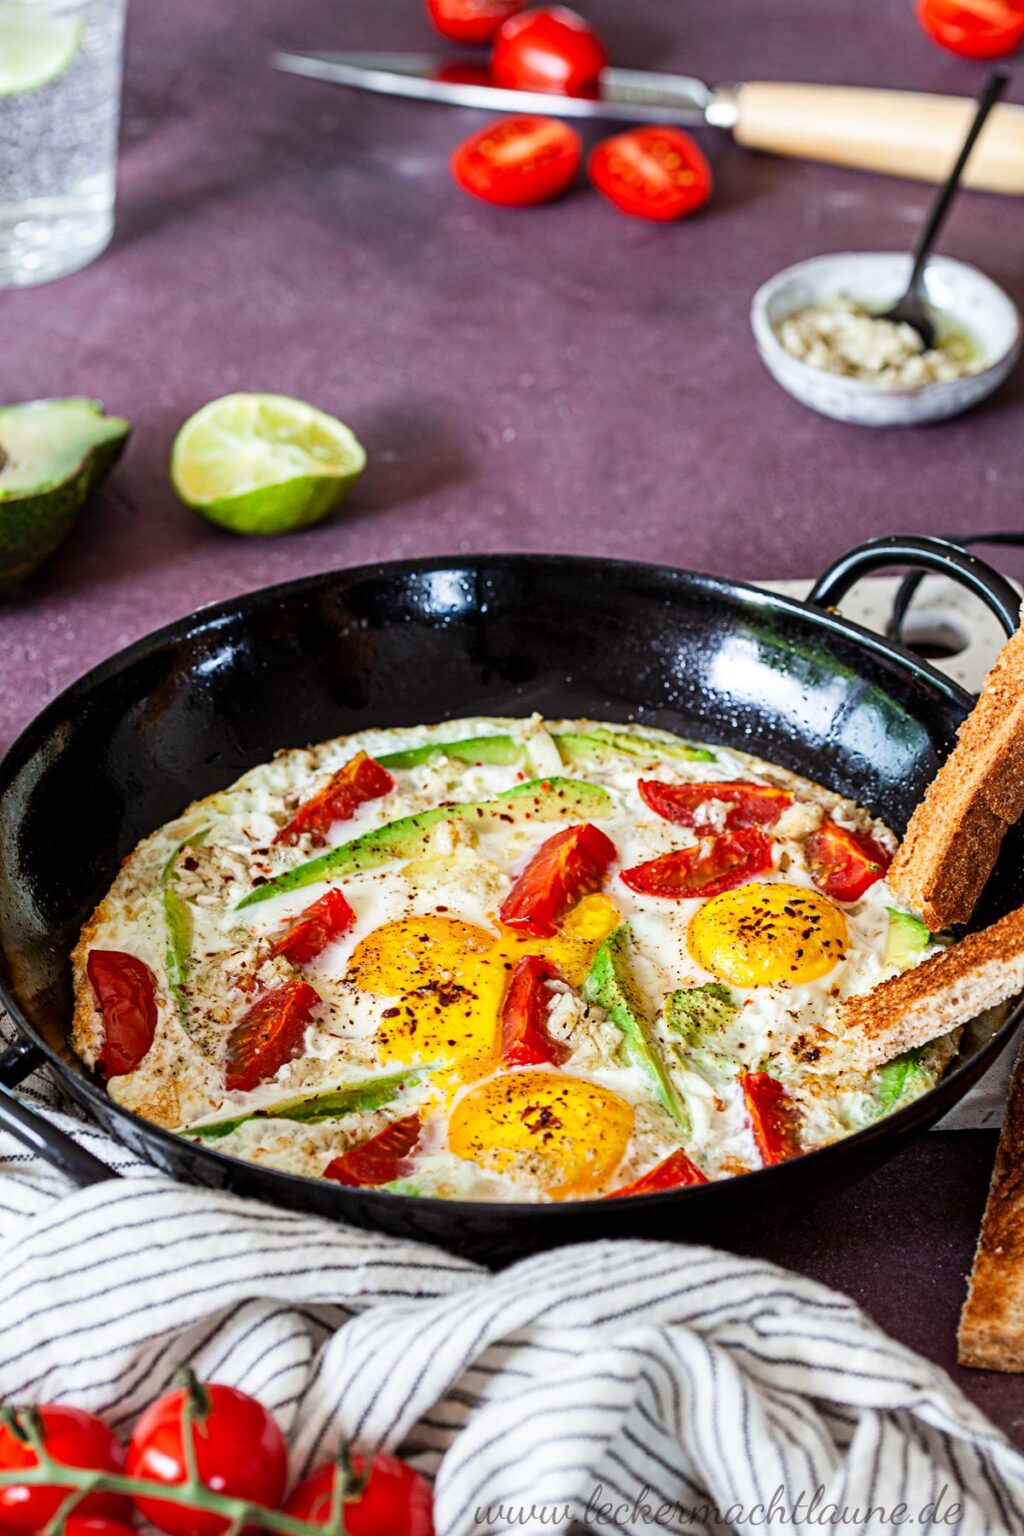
(712, 866)
(310, 934)
(76, 1526)
(395, 1502)
(381, 1158)
(268, 1035)
(977, 29)
(525, 1041)
(471, 21)
(125, 992)
(76, 1438)
(844, 864)
(518, 161)
(675, 1172)
(773, 1117)
(750, 805)
(567, 867)
(550, 49)
(360, 780)
(652, 173)
(239, 1452)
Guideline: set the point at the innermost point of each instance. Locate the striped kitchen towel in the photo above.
(617, 1386)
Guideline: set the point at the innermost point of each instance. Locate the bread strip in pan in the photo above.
(955, 834)
(991, 1334)
(951, 988)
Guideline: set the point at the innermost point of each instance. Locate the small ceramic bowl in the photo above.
(877, 279)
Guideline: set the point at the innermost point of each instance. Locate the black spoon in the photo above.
(912, 309)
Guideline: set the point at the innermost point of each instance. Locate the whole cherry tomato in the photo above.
(471, 21)
(844, 864)
(396, 1501)
(76, 1438)
(652, 173)
(551, 49)
(125, 991)
(518, 161)
(977, 29)
(565, 868)
(239, 1451)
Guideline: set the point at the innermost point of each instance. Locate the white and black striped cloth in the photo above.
(618, 1386)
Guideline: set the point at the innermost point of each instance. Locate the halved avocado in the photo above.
(53, 453)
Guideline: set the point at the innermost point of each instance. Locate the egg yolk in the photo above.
(413, 950)
(561, 1132)
(765, 933)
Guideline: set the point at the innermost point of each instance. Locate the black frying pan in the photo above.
(185, 711)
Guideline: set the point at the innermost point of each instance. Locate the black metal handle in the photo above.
(18, 1061)
(999, 594)
(36, 1132)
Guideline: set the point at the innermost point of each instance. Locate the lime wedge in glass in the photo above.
(35, 46)
(264, 463)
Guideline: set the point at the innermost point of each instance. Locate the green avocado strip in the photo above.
(573, 746)
(610, 984)
(474, 749)
(896, 1081)
(537, 800)
(178, 921)
(696, 1012)
(333, 1104)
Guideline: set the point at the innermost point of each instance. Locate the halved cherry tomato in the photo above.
(976, 29)
(712, 866)
(125, 991)
(525, 1041)
(652, 173)
(471, 21)
(268, 1035)
(844, 864)
(381, 1158)
(396, 1501)
(76, 1438)
(314, 929)
(360, 780)
(773, 1117)
(518, 161)
(750, 805)
(550, 49)
(240, 1451)
(567, 867)
(674, 1172)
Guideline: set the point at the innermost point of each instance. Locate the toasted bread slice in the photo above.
(991, 1334)
(951, 988)
(955, 834)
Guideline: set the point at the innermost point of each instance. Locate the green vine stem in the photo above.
(26, 1425)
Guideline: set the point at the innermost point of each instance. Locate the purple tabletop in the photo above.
(560, 378)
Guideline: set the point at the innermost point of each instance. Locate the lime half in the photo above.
(35, 46)
(264, 463)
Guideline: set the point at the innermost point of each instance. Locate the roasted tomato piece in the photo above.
(360, 780)
(844, 864)
(750, 805)
(471, 21)
(381, 1158)
(773, 1117)
(125, 991)
(563, 870)
(525, 1041)
(714, 865)
(395, 1501)
(550, 49)
(517, 161)
(314, 929)
(674, 1172)
(652, 173)
(977, 29)
(268, 1035)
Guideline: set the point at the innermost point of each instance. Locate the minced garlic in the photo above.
(845, 338)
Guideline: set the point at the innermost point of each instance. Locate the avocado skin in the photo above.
(610, 985)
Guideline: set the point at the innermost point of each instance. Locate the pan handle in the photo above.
(929, 554)
(36, 1132)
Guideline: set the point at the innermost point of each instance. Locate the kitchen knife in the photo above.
(902, 133)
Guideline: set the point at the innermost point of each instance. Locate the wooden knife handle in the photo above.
(902, 133)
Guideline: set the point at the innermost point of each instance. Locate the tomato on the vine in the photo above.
(77, 1526)
(652, 173)
(976, 29)
(517, 161)
(551, 49)
(471, 21)
(395, 1501)
(74, 1437)
(239, 1451)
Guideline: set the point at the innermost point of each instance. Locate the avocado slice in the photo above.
(178, 922)
(473, 749)
(696, 1012)
(651, 747)
(611, 985)
(899, 1080)
(314, 1109)
(53, 453)
(536, 800)
(908, 936)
